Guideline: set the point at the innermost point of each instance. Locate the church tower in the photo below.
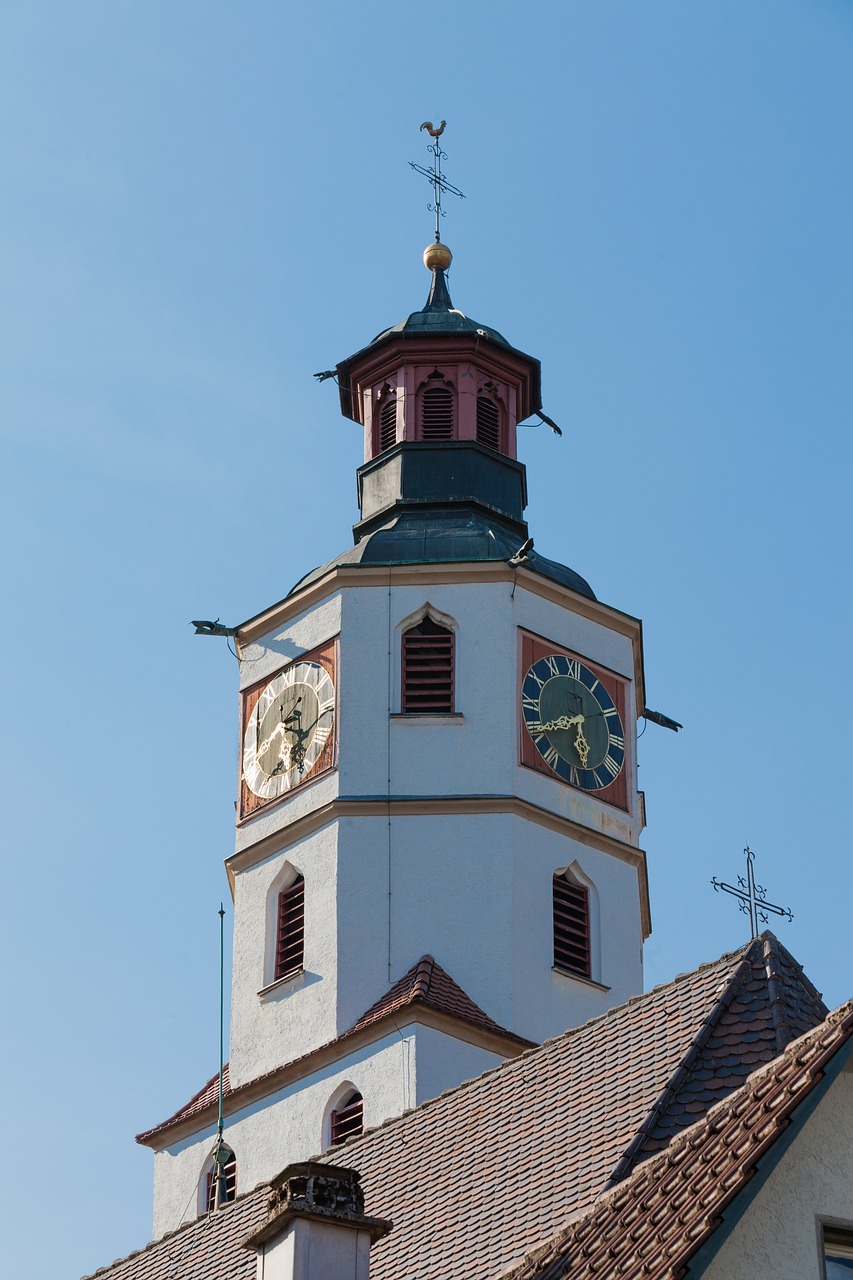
(437, 858)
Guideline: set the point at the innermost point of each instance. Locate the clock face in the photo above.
(288, 729)
(573, 722)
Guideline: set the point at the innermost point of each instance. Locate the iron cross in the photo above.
(752, 897)
(440, 185)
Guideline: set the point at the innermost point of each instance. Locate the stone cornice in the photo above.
(486, 571)
(421, 806)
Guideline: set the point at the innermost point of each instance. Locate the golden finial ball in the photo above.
(437, 257)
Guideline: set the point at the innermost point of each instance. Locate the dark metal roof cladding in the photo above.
(438, 536)
(440, 316)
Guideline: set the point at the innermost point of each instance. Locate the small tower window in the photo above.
(428, 676)
(348, 1119)
(387, 419)
(571, 927)
(290, 929)
(488, 421)
(436, 418)
(229, 1190)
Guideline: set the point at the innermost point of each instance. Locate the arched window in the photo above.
(436, 409)
(229, 1180)
(386, 435)
(571, 926)
(348, 1118)
(428, 675)
(290, 929)
(488, 420)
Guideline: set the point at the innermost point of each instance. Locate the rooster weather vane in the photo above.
(440, 185)
(752, 897)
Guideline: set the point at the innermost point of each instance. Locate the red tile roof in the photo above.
(426, 983)
(654, 1223)
(492, 1170)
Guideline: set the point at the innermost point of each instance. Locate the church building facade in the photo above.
(443, 1064)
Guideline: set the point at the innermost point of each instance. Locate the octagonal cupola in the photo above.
(439, 376)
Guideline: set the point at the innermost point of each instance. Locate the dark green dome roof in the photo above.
(440, 316)
(445, 537)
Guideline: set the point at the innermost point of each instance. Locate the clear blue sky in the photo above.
(204, 203)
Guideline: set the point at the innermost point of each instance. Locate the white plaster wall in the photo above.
(313, 1250)
(393, 1074)
(479, 754)
(298, 1014)
(778, 1237)
(474, 755)
(442, 1062)
(475, 891)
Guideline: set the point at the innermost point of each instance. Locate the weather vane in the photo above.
(752, 897)
(440, 185)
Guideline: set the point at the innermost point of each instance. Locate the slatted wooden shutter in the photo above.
(437, 414)
(488, 422)
(387, 420)
(428, 676)
(571, 927)
(230, 1182)
(348, 1120)
(290, 929)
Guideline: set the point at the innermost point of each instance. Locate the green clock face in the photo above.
(574, 722)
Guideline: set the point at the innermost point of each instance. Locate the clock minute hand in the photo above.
(568, 722)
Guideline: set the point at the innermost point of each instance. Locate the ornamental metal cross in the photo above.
(440, 185)
(752, 897)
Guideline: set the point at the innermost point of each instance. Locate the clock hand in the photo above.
(568, 722)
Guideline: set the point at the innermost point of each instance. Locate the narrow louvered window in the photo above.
(571, 927)
(290, 929)
(230, 1188)
(428, 668)
(348, 1120)
(437, 414)
(387, 420)
(488, 422)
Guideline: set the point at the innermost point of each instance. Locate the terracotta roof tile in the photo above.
(208, 1249)
(533, 1141)
(476, 1179)
(427, 983)
(653, 1223)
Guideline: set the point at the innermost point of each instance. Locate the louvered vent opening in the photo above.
(388, 422)
(348, 1122)
(488, 422)
(290, 930)
(428, 668)
(230, 1182)
(571, 927)
(437, 414)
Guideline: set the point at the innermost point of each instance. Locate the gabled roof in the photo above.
(425, 984)
(428, 984)
(653, 1224)
(489, 1173)
(536, 1140)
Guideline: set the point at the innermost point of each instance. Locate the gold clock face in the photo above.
(288, 729)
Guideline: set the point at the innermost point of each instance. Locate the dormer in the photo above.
(439, 376)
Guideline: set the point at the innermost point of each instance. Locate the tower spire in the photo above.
(437, 256)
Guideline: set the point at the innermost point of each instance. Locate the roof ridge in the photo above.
(181, 1229)
(629, 1158)
(811, 1052)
